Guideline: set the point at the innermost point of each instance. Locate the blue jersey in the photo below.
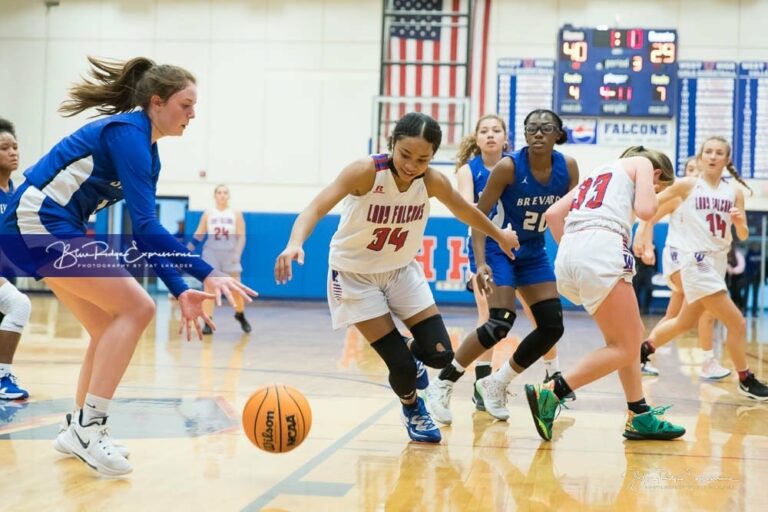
(101, 163)
(480, 175)
(5, 197)
(526, 200)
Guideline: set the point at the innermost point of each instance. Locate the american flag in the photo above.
(425, 38)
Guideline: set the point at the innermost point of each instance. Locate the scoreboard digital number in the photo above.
(616, 72)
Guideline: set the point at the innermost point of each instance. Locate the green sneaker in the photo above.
(544, 409)
(651, 425)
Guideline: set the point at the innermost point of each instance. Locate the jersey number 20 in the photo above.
(534, 221)
(599, 184)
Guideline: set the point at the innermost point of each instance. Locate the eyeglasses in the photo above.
(546, 129)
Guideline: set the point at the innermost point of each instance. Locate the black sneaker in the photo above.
(646, 349)
(753, 388)
(548, 377)
(244, 325)
(477, 399)
(207, 330)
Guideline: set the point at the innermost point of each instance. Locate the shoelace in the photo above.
(423, 417)
(560, 406)
(106, 441)
(659, 411)
(446, 395)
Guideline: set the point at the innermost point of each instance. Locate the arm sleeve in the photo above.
(128, 148)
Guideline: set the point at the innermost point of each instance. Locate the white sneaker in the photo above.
(648, 370)
(92, 445)
(60, 447)
(713, 370)
(439, 400)
(494, 395)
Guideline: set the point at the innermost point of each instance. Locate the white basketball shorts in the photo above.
(702, 273)
(355, 298)
(588, 265)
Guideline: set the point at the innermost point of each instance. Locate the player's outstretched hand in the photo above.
(191, 305)
(227, 286)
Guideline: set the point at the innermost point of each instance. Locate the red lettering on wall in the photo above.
(426, 256)
(458, 260)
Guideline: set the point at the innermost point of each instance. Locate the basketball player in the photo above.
(478, 153)
(14, 305)
(372, 272)
(708, 207)
(223, 247)
(594, 267)
(526, 183)
(711, 369)
(107, 160)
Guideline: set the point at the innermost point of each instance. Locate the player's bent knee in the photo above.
(497, 327)
(16, 308)
(549, 319)
(431, 342)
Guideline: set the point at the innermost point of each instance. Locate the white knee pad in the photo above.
(16, 308)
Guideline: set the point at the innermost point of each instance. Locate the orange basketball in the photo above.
(277, 418)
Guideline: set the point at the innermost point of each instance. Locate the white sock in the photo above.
(95, 407)
(551, 366)
(5, 369)
(505, 374)
(456, 365)
(708, 354)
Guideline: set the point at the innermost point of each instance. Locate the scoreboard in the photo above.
(616, 72)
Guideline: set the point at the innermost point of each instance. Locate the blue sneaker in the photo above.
(419, 424)
(9, 390)
(422, 377)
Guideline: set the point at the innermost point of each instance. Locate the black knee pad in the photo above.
(399, 361)
(431, 343)
(549, 318)
(497, 327)
(549, 329)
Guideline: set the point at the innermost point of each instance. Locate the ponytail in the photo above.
(735, 173)
(117, 87)
(468, 149)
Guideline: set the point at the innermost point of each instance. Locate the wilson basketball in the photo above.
(277, 418)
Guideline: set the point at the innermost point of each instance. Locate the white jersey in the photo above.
(604, 199)
(675, 229)
(221, 230)
(383, 229)
(706, 217)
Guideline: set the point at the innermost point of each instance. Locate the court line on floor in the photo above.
(291, 483)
